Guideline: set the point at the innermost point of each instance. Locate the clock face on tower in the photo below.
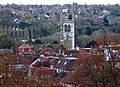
(68, 39)
(67, 34)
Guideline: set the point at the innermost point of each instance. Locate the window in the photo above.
(59, 61)
(65, 28)
(20, 34)
(68, 30)
(65, 63)
(51, 60)
(15, 33)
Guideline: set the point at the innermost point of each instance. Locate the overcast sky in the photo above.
(50, 2)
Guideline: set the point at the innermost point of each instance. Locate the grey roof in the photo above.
(63, 63)
(4, 50)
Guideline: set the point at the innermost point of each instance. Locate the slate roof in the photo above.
(64, 63)
(5, 50)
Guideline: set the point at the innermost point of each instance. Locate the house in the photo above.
(60, 64)
(25, 49)
(26, 52)
(64, 64)
(41, 72)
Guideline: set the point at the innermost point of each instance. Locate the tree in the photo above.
(6, 17)
(55, 42)
(38, 41)
(82, 40)
(87, 70)
(111, 64)
(2, 35)
(89, 31)
(115, 11)
(26, 16)
(105, 21)
(94, 68)
(6, 42)
(12, 73)
(23, 24)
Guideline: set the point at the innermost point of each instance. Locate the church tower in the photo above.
(67, 31)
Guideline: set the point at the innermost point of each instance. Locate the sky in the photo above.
(51, 2)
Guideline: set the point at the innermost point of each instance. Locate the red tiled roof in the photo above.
(43, 71)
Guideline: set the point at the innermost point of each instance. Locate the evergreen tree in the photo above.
(105, 21)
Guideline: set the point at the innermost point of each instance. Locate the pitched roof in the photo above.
(43, 71)
(65, 63)
(25, 46)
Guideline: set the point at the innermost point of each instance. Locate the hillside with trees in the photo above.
(90, 20)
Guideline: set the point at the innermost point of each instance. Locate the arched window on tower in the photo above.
(65, 28)
(69, 27)
(20, 34)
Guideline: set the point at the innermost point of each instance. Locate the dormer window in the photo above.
(51, 60)
(65, 63)
(59, 61)
(39, 60)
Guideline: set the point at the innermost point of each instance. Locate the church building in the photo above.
(67, 31)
